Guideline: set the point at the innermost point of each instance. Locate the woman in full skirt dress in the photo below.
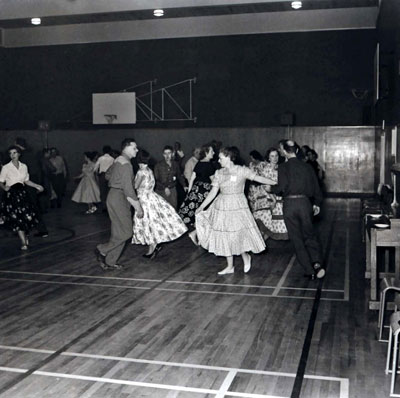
(88, 190)
(227, 227)
(266, 207)
(160, 222)
(17, 209)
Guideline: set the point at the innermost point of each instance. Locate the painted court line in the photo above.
(51, 246)
(285, 274)
(80, 276)
(347, 267)
(134, 383)
(243, 294)
(126, 382)
(36, 350)
(255, 286)
(226, 384)
(172, 364)
(76, 284)
(166, 289)
(219, 393)
(232, 372)
(13, 370)
(167, 281)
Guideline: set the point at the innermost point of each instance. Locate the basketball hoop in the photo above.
(110, 118)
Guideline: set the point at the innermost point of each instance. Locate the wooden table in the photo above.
(375, 238)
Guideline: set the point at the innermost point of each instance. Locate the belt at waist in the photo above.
(294, 196)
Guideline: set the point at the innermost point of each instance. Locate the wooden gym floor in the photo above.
(170, 327)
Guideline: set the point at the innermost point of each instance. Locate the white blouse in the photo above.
(11, 175)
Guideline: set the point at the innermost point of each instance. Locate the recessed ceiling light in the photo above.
(158, 13)
(36, 21)
(297, 5)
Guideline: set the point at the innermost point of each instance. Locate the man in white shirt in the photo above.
(103, 163)
(189, 165)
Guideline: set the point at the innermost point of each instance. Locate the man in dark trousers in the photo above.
(120, 197)
(302, 198)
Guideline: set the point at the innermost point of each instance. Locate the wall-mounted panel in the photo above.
(346, 154)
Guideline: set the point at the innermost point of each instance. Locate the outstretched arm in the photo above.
(210, 197)
(192, 178)
(33, 185)
(264, 180)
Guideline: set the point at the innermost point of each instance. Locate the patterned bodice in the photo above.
(148, 181)
(265, 169)
(88, 169)
(232, 181)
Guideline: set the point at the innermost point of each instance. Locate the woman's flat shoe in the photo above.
(247, 267)
(226, 270)
(24, 247)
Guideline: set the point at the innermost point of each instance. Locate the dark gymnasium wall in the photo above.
(348, 154)
(388, 33)
(249, 80)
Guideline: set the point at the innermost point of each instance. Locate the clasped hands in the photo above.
(136, 205)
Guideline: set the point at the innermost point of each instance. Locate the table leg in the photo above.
(374, 276)
(367, 255)
(397, 263)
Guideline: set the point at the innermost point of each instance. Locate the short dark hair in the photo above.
(256, 155)
(90, 155)
(231, 152)
(17, 148)
(143, 157)
(126, 142)
(107, 149)
(204, 150)
(282, 142)
(290, 147)
(269, 150)
(168, 148)
(314, 153)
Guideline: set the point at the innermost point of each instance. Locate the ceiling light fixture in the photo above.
(297, 5)
(158, 13)
(36, 21)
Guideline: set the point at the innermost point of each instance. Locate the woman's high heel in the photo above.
(154, 253)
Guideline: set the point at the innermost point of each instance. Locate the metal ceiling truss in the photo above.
(155, 105)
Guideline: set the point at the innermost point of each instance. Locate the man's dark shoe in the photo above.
(42, 234)
(318, 270)
(100, 256)
(311, 277)
(115, 266)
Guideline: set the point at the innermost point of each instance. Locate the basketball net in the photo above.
(110, 118)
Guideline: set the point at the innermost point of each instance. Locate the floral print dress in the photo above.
(200, 190)
(267, 208)
(160, 222)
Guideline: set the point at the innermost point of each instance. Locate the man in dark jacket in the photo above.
(302, 198)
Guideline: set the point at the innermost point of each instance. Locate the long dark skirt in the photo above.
(193, 200)
(17, 209)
